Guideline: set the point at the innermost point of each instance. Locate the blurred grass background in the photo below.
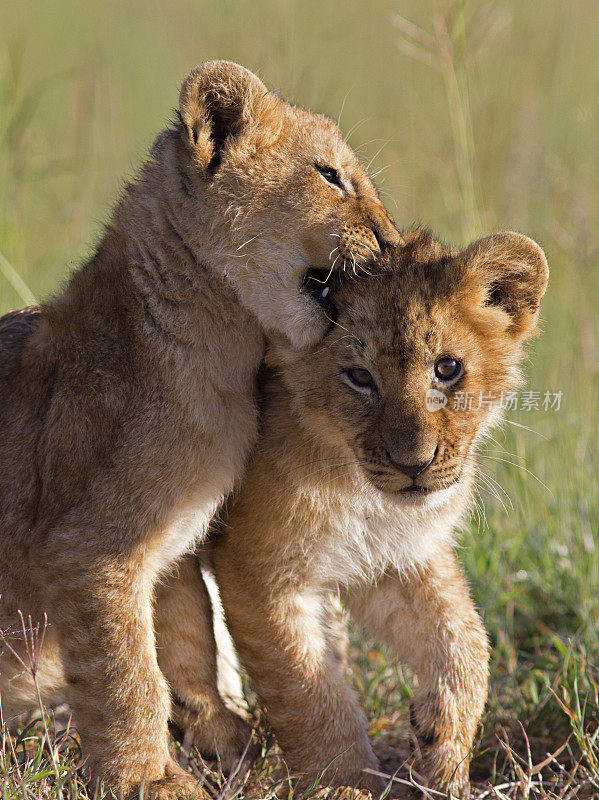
(472, 116)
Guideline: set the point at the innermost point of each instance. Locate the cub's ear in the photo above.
(219, 100)
(511, 271)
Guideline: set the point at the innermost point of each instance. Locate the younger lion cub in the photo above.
(355, 490)
(127, 406)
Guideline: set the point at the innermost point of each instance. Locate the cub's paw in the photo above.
(345, 786)
(344, 793)
(371, 784)
(445, 768)
(442, 759)
(176, 785)
(218, 734)
(454, 774)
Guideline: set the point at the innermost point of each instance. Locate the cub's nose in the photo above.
(412, 470)
(385, 232)
(387, 237)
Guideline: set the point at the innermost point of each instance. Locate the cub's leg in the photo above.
(430, 622)
(100, 607)
(298, 672)
(186, 651)
(336, 622)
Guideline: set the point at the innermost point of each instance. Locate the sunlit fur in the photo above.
(271, 214)
(128, 410)
(321, 512)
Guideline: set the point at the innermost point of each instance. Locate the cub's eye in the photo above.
(330, 175)
(360, 378)
(447, 369)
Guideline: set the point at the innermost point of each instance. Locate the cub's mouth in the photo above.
(388, 486)
(316, 284)
(413, 493)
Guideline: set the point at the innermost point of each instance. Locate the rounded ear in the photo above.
(218, 101)
(512, 271)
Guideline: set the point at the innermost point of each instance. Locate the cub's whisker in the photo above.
(518, 466)
(335, 478)
(355, 127)
(241, 246)
(378, 152)
(493, 488)
(524, 427)
(332, 467)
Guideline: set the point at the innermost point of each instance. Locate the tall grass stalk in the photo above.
(447, 51)
(16, 281)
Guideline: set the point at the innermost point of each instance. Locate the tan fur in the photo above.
(127, 405)
(322, 510)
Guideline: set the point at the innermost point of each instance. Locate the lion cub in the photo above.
(127, 405)
(355, 490)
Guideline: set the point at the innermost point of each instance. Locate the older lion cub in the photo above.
(355, 490)
(127, 403)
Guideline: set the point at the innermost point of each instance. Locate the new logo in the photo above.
(435, 400)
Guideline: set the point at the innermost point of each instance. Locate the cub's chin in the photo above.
(415, 496)
(429, 499)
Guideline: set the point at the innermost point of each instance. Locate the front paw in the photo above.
(347, 793)
(445, 769)
(176, 785)
(218, 734)
(342, 780)
(443, 765)
(441, 759)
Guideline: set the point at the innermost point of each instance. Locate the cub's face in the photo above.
(290, 191)
(309, 197)
(389, 385)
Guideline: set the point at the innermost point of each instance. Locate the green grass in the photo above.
(475, 116)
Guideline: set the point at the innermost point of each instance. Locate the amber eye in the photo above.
(447, 369)
(360, 378)
(330, 175)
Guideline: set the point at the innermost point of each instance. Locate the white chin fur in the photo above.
(438, 498)
(277, 301)
(425, 502)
